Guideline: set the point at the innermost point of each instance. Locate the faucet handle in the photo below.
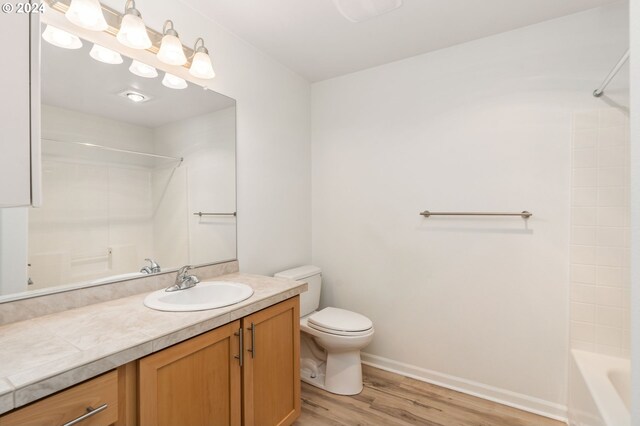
(152, 268)
(153, 263)
(183, 271)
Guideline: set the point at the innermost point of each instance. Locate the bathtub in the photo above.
(599, 390)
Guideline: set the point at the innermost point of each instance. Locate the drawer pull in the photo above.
(90, 412)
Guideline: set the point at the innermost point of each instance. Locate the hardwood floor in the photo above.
(389, 399)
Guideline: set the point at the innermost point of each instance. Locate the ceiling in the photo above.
(71, 79)
(313, 39)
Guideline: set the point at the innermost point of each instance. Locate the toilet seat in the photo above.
(340, 322)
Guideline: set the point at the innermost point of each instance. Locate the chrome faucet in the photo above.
(183, 281)
(153, 268)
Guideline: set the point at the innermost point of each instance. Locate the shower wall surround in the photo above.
(600, 232)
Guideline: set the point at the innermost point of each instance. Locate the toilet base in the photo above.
(340, 374)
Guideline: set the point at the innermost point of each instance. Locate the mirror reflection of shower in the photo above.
(126, 161)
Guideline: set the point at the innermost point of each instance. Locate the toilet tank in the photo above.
(309, 300)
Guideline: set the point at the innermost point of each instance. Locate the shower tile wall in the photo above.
(600, 232)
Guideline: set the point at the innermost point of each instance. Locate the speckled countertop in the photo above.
(43, 355)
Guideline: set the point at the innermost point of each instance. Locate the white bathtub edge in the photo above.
(480, 390)
(594, 370)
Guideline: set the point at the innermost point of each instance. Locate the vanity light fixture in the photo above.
(143, 70)
(171, 51)
(133, 32)
(173, 82)
(60, 38)
(105, 55)
(87, 14)
(201, 66)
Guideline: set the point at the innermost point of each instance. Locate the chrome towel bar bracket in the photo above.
(524, 214)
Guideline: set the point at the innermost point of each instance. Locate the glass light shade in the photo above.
(171, 51)
(87, 14)
(60, 38)
(173, 82)
(201, 66)
(133, 33)
(105, 55)
(143, 70)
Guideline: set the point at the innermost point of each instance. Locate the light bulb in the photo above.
(87, 14)
(171, 49)
(173, 82)
(60, 38)
(105, 55)
(143, 70)
(133, 32)
(201, 66)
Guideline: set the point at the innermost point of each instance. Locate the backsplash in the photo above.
(21, 310)
(600, 216)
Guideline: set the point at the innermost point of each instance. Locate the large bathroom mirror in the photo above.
(132, 169)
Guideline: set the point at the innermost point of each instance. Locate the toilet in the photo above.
(330, 338)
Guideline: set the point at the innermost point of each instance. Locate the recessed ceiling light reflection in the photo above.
(134, 96)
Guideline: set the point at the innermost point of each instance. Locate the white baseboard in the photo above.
(501, 396)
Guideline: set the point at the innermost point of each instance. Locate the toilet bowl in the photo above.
(330, 339)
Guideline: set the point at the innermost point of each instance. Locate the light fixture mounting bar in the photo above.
(114, 18)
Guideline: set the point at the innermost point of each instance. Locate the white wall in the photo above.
(13, 250)
(273, 139)
(204, 182)
(479, 304)
(635, 209)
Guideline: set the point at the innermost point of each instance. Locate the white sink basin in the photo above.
(205, 295)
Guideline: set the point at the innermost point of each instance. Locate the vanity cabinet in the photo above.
(95, 401)
(196, 382)
(246, 372)
(243, 373)
(271, 371)
(19, 125)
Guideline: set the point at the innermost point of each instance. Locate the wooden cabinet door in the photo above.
(195, 383)
(271, 372)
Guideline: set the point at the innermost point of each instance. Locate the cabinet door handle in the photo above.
(253, 340)
(90, 412)
(240, 356)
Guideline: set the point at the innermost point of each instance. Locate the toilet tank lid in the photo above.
(299, 273)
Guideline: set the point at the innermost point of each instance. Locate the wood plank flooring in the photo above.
(389, 399)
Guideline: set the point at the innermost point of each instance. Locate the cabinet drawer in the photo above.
(70, 404)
